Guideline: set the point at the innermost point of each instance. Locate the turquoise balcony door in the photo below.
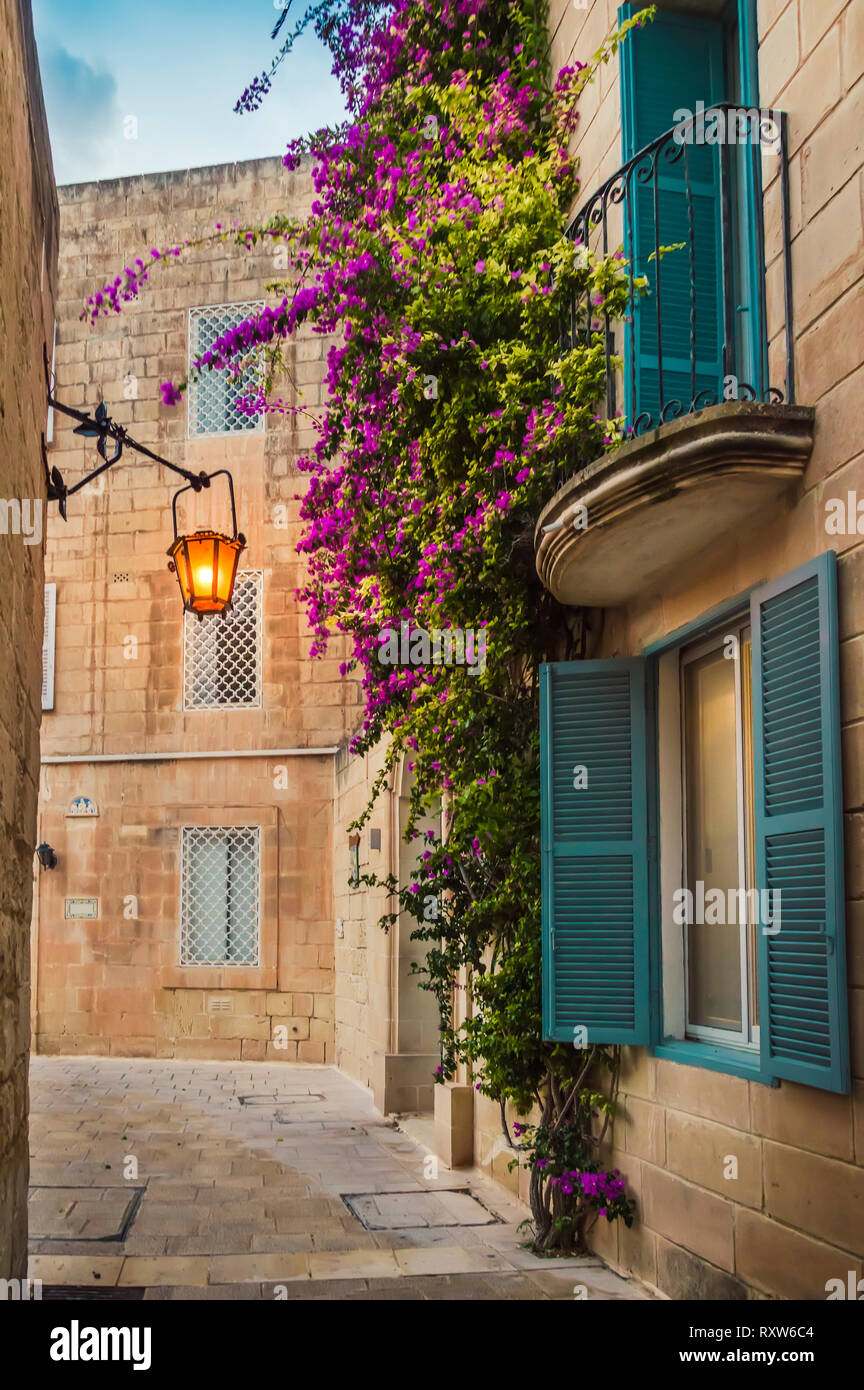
(690, 335)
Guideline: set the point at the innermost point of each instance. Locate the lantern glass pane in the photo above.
(202, 561)
(181, 566)
(226, 568)
(206, 565)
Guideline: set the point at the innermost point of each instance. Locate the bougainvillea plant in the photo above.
(435, 258)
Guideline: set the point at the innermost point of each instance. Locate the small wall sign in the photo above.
(82, 907)
(83, 806)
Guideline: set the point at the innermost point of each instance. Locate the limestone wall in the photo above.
(113, 984)
(386, 1026)
(795, 1216)
(28, 230)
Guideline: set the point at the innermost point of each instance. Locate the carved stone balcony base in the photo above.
(662, 498)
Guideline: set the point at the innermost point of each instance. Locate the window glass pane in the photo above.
(749, 814)
(206, 900)
(711, 828)
(242, 895)
(220, 897)
(213, 397)
(223, 653)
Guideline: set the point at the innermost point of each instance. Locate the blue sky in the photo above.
(134, 89)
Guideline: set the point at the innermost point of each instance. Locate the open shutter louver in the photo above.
(594, 842)
(799, 826)
(48, 644)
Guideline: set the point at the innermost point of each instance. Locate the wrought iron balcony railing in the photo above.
(689, 215)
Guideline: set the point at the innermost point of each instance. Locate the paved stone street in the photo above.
(248, 1180)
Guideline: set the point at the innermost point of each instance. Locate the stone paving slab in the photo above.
(445, 1259)
(188, 1269)
(76, 1269)
(399, 1210)
(240, 1201)
(79, 1213)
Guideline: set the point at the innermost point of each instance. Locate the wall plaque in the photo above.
(82, 907)
(83, 806)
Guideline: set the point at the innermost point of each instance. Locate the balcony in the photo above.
(702, 370)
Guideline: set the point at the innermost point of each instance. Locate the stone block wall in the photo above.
(118, 732)
(29, 230)
(386, 1026)
(794, 1216)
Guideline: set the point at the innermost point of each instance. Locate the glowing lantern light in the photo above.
(205, 562)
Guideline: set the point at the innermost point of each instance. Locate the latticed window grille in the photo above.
(212, 400)
(223, 654)
(220, 874)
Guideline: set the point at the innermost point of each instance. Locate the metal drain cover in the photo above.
(393, 1211)
(82, 1213)
(271, 1102)
(80, 1292)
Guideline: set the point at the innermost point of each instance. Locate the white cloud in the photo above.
(83, 114)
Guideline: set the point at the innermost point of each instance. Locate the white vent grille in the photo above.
(220, 874)
(222, 663)
(213, 398)
(48, 645)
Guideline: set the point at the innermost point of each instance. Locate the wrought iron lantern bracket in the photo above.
(205, 562)
(101, 427)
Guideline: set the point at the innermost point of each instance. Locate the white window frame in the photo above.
(183, 934)
(49, 646)
(193, 627)
(244, 308)
(49, 420)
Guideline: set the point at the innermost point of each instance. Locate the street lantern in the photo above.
(206, 565)
(205, 562)
(46, 856)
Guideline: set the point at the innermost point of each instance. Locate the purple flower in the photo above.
(170, 393)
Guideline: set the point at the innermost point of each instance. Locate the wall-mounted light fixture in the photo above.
(205, 562)
(46, 856)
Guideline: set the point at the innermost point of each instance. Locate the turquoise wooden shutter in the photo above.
(670, 65)
(799, 826)
(594, 851)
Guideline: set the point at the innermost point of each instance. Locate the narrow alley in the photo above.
(256, 1181)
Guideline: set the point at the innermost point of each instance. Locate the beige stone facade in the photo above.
(795, 1217)
(28, 274)
(386, 1027)
(335, 987)
(119, 732)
